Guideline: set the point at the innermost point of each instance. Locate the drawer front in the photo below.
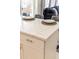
(31, 41)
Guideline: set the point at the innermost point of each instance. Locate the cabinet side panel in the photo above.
(50, 46)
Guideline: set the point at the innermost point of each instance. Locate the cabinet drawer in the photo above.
(31, 41)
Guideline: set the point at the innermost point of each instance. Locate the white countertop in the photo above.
(37, 29)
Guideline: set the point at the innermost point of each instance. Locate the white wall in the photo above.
(25, 3)
(38, 6)
(52, 3)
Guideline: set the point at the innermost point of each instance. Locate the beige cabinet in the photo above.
(38, 41)
(34, 48)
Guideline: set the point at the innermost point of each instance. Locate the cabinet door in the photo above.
(33, 53)
(21, 51)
